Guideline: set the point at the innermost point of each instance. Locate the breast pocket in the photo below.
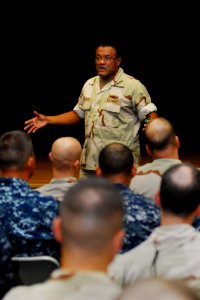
(110, 115)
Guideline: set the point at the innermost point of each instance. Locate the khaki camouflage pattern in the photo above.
(112, 114)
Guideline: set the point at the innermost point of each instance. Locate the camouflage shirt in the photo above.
(64, 284)
(112, 114)
(6, 274)
(141, 216)
(27, 217)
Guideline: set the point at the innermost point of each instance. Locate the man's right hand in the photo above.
(39, 121)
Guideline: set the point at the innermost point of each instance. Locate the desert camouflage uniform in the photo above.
(112, 114)
(57, 187)
(171, 251)
(84, 285)
(141, 217)
(148, 177)
(26, 217)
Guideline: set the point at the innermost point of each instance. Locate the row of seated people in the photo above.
(28, 226)
(162, 145)
(90, 230)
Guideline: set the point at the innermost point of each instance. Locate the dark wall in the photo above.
(47, 57)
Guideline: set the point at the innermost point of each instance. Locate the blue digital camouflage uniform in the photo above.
(27, 217)
(112, 114)
(6, 274)
(141, 216)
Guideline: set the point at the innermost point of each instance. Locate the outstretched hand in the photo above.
(32, 125)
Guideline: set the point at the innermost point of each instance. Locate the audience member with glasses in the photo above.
(113, 105)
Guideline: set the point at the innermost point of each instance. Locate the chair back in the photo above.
(34, 269)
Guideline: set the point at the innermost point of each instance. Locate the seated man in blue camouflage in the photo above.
(141, 215)
(90, 231)
(26, 214)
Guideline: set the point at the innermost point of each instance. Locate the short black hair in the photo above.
(15, 148)
(110, 43)
(116, 158)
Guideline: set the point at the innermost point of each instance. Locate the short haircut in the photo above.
(116, 158)
(159, 134)
(110, 43)
(180, 189)
(15, 148)
(91, 213)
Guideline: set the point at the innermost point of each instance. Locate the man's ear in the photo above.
(157, 198)
(56, 227)
(98, 171)
(31, 162)
(30, 166)
(50, 156)
(76, 164)
(118, 60)
(148, 150)
(177, 141)
(118, 240)
(133, 171)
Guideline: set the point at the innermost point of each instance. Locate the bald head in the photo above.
(65, 150)
(180, 189)
(159, 134)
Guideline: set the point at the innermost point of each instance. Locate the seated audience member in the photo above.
(172, 250)
(162, 145)
(26, 214)
(65, 159)
(89, 229)
(158, 288)
(141, 215)
(6, 274)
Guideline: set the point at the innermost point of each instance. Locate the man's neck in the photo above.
(16, 174)
(76, 262)
(66, 173)
(167, 154)
(120, 179)
(170, 219)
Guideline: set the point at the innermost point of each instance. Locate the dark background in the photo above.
(48, 53)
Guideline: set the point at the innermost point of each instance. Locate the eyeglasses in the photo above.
(105, 59)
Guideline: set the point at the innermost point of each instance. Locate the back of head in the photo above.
(116, 158)
(158, 289)
(64, 151)
(91, 214)
(159, 134)
(180, 189)
(15, 149)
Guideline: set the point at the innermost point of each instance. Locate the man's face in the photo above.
(106, 62)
